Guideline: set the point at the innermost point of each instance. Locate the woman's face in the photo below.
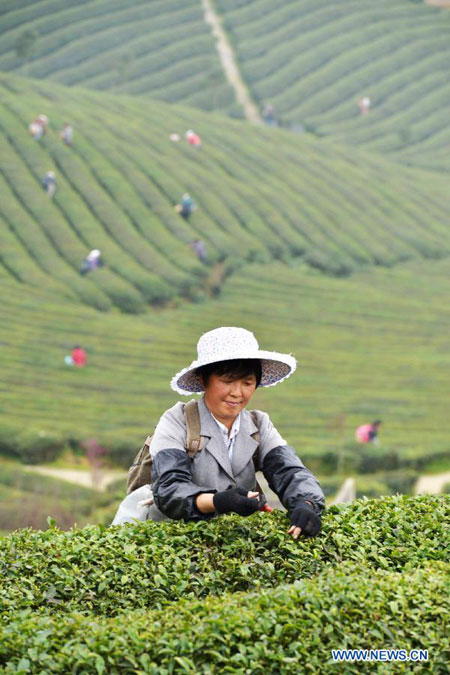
(226, 397)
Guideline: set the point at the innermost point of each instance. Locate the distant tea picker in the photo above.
(368, 433)
(91, 262)
(38, 127)
(202, 460)
(186, 206)
(193, 139)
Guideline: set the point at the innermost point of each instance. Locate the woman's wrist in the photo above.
(204, 502)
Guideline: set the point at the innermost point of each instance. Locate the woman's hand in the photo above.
(304, 520)
(237, 500)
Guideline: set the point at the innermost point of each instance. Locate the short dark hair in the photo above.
(235, 368)
(376, 423)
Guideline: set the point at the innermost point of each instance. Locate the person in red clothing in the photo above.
(367, 433)
(79, 356)
(193, 139)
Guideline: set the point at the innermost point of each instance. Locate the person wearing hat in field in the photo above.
(186, 206)
(66, 134)
(221, 478)
(38, 127)
(364, 105)
(91, 262)
(49, 183)
(193, 139)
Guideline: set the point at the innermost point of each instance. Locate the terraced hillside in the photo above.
(258, 197)
(311, 59)
(162, 48)
(314, 59)
(371, 345)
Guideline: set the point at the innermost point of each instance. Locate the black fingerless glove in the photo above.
(235, 500)
(304, 516)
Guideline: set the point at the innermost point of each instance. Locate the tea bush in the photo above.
(287, 629)
(29, 445)
(95, 569)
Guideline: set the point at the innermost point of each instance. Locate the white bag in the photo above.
(135, 506)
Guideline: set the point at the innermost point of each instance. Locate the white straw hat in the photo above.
(227, 343)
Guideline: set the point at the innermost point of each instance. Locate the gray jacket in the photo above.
(177, 480)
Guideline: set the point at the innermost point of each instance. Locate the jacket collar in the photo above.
(244, 445)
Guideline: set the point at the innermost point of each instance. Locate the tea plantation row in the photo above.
(95, 569)
(311, 60)
(271, 630)
(376, 577)
(161, 49)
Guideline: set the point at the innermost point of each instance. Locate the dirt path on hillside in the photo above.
(97, 480)
(229, 63)
(432, 485)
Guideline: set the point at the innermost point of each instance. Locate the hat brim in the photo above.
(275, 368)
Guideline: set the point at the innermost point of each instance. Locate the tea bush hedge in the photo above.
(95, 569)
(230, 595)
(287, 629)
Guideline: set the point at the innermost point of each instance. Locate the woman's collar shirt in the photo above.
(229, 438)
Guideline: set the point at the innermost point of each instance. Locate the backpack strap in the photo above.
(195, 442)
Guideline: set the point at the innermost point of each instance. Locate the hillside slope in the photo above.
(313, 60)
(162, 48)
(260, 194)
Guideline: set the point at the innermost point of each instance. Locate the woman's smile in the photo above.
(227, 409)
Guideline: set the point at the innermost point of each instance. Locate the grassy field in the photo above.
(276, 212)
(28, 499)
(163, 48)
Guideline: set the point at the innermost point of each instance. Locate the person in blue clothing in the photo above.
(186, 206)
